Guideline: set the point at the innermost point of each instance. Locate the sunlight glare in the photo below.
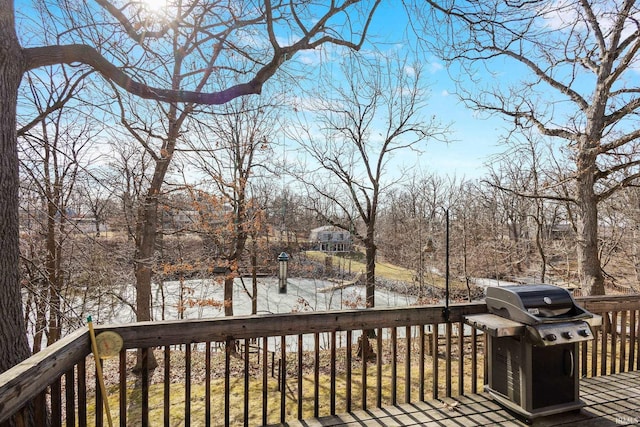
(154, 5)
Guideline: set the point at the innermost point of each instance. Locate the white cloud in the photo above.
(410, 71)
(435, 67)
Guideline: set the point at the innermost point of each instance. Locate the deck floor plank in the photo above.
(612, 400)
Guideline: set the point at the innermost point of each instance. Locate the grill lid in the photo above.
(534, 304)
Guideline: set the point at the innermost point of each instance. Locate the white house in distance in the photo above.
(330, 239)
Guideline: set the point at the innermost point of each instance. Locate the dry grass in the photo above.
(254, 396)
(385, 270)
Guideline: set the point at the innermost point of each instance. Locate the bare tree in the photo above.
(95, 197)
(232, 146)
(127, 174)
(631, 208)
(228, 27)
(408, 222)
(509, 179)
(54, 150)
(159, 128)
(526, 176)
(366, 124)
(573, 81)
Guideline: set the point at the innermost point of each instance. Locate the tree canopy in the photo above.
(126, 43)
(568, 71)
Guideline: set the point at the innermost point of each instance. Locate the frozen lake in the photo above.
(202, 299)
(302, 295)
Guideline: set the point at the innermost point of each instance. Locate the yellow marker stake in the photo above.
(96, 356)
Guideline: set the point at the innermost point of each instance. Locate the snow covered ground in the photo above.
(202, 299)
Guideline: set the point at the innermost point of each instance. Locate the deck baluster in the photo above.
(122, 392)
(187, 385)
(632, 339)
(474, 361)
(614, 340)
(70, 397)
(364, 346)
(623, 341)
(316, 375)
(447, 359)
(332, 385)
(265, 377)
(145, 387)
(434, 357)
(583, 358)
(379, 359)
(594, 352)
(247, 344)
(99, 407)
(56, 403)
(167, 386)
(283, 378)
(300, 375)
(82, 393)
(485, 364)
(604, 344)
(460, 358)
(407, 366)
(207, 384)
(422, 354)
(348, 369)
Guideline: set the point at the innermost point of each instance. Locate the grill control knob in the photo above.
(550, 337)
(583, 332)
(568, 335)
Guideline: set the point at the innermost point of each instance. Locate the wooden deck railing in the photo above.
(258, 370)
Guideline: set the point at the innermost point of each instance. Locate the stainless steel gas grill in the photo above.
(532, 347)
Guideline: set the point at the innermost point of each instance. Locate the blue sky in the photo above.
(473, 139)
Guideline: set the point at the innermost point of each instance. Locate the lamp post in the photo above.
(283, 260)
(445, 312)
(429, 248)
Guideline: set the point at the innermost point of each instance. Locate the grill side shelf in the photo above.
(494, 325)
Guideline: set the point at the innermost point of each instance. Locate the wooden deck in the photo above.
(312, 359)
(612, 400)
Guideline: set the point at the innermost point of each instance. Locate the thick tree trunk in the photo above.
(228, 294)
(539, 219)
(146, 232)
(254, 277)
(240, 241)
(53, 270)
(145, 248)
(14, 347)
(591, 278)
(370, 280)
(41, 302)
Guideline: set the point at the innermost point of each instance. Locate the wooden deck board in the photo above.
(612, 400)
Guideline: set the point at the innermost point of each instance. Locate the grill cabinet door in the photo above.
(505, 366)
(553, 370)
